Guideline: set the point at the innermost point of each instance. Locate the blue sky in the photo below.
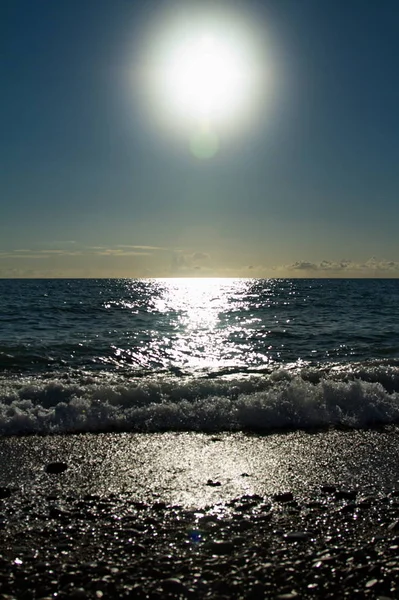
(92, 186)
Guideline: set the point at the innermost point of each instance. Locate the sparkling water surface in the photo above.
(194, 325)
(197, 353)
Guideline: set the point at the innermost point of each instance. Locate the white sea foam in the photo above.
(354, 398)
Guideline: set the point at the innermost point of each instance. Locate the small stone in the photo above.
(371, 583)
(328, 489)
(314, 505)
(159, 506)
(78, 594)
(364, 504)
(234, 392)
(288, 595)
(56, 467)
(297, 536)
(348, 508)
(213, 483)
(252, 498)
(283, 497)
(238, 540)
(244, 525)
(173, 585)
(5, 492)
(345, 494)
(245, 475)
(394, 526)
(220, 547)
(56, 513)
(246, 506)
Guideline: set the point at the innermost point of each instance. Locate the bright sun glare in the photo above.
(205, 75)
(205, 78)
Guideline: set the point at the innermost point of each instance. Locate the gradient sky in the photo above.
(92, 186)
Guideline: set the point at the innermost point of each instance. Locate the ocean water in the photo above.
(197, 354)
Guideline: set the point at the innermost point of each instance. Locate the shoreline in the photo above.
(283, 516)
(176, 466)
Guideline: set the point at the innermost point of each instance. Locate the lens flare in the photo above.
(204, 143)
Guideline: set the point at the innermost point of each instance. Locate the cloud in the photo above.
(124, 250)
(87, 251)
(370, 268)
(324, 265)
(133, 260)
(140, 247)
(120, 252)
(303, 266)
(36, 254)
(185, 263)
(200, 257)
(59, 242)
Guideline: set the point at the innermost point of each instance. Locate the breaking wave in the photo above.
(315, 398)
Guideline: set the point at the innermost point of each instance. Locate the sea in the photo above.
(207, 355)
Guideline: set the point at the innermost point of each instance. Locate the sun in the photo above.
(203, 69)
(204, 78)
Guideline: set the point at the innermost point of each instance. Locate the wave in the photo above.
(352, 396)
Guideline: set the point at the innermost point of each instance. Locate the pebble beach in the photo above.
(283, 516)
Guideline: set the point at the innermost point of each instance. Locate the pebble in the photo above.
(328, 489)
(56, 467)
(297, 536)
(394, 526)
(345, 494)
(70, 556)
(172, 585)
(159, 506)
(283, 497)
(5, 492)
(221, 547)
(78, 594)
(56, 513)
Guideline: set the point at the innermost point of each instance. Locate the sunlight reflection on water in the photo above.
(195, 326)
(210, 318)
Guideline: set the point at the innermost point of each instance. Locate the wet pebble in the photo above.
(297, 536)
(345, 494)
(328, 489)
(394, 526)
(283, 497)
(173, 585)
(78, 594)
(233, 547)
(5, 492)
(221, 547)
(56, 468)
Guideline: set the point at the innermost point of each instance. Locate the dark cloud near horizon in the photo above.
(372, 264)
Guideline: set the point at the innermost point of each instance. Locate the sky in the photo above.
(96, 182)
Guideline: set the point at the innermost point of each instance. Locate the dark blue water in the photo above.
(202, 354)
